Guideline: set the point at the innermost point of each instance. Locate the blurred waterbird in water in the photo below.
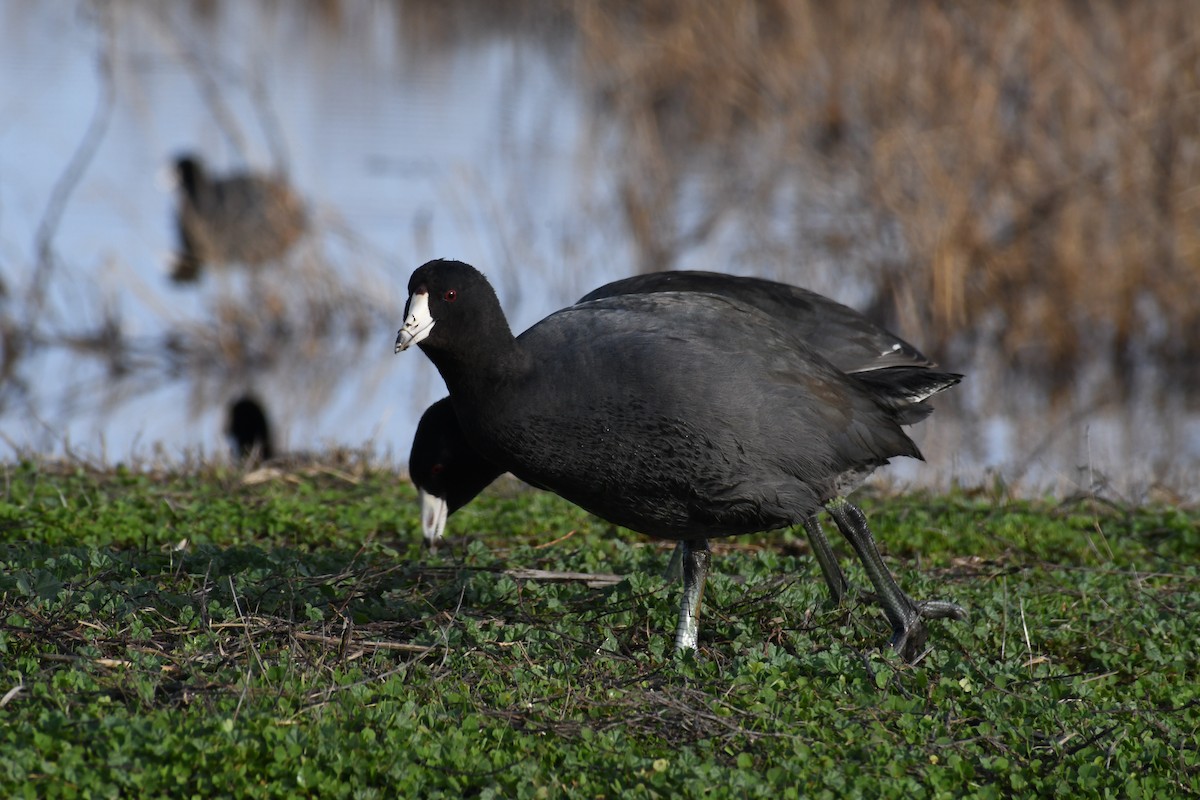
(243, 218)
(249, 431)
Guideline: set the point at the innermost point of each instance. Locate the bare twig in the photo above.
(402, 647)
(60, 195)
(210, 90)
(253, 650)
(1025, 628)
(269, 120)
(11, 693)
(592, 580)
(562, 538)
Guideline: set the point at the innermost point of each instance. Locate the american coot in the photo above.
(680, 415)
(243, 218)
(449, 473)
(248, 430)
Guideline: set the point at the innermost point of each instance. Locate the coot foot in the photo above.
(909, 642)
(906, 617)
(941, 609)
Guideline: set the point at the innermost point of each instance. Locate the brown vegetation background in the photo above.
(1040, 161)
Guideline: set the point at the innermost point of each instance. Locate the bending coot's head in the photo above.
(446, 470)
(451, 307)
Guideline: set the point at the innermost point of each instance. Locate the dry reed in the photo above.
(1041, 160)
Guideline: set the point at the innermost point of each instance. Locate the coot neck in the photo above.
(192, 178)
(482, 367)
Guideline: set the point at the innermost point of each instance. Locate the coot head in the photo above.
(189, 172)
(450, 292)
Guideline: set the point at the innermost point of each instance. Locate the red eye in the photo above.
(436, 469)
(450, 295)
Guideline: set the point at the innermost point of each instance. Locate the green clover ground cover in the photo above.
(193, 634)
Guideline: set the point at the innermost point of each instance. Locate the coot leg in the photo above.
(696, 556)
(820, 547)
(908, 629)
(825, 557)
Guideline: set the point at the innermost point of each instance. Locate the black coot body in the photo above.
(850, 341)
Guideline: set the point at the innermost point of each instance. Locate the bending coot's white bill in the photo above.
(417, 322)
(434, 512)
